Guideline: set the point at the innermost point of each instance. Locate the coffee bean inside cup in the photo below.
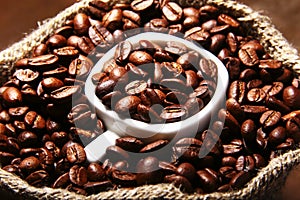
(150, 75)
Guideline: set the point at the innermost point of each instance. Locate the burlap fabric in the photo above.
(268, 179)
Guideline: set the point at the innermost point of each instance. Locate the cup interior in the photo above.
(167, 130)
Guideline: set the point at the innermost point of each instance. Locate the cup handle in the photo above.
(96, 149)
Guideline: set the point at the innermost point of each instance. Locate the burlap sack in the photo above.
(268, 180)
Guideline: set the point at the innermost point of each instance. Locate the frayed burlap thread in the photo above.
(268, 179)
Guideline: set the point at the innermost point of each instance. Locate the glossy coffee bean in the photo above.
(187, 170)
(78, 175)
(75, 153)
(130, 144)
(81, 24)
(269, 119)
(179, 181)
(38, 178)
(148, 171)
(95, 172)
(207, 180)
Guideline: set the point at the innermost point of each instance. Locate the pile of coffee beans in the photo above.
(137, 81)
(43, 127)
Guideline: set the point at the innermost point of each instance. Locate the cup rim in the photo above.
(220, 91)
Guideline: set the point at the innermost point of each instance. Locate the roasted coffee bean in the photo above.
(51, 83)
(248, 74)
(86, 45)
(140, 58)
(259, 161)
(237, 91)
(81, 24)
(80, 68)
(254, 112)
(172, 11)
(139, 5)
(245, 163)
(256, 95)
(187, 149)
(64, 94)
(116, 153)
(62, 181)
(34, 120)
(59, 73)
(228, 161)
(233, 148)
(274, 89)
(187, 170)
(75, 153)
(240, 179)
(180, 182)
(100, 36)
(148, 171)
(277, 105)
(29, 164)
(78, 175)
(209, 68)
(124, 178)
(105, 87)
(135, 87)
(227, 173)
(12, 96)
(174, 113)
(269, 119)
(248, 57)
(39, 50)
(277, 136)
(133, 16)
(95, 172)
(26, 75)
(197, 34)
(130, 143)
(167, 168)
(56, 41)
(291, 96)
(39, 63)
(112, 20)
(96, 187)
(127, 105)
(122, 51)
(207, 180)
(38, 178)
(154, 146)
(248, 130)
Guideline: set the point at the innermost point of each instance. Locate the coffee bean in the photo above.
(237, 91)
(248, 57)
(64, 94)
(277, 136)
(12, 96)
(38, 178)
(34, 120)
(256, 95)
(116, 153)
(148, 171)
(226, 19)
(187, 149)
(29, 164)
(187, 170)
(78, 175)
(197, 34)
(75, 153)
(56, 41)
(180, 182)
(95, 172)
(62, 181)
(227, 172)
(124, 178)
(127, 105)
(39, 50)
(105, 87)
(208, 182)
(154, 146)
(228, 161)
(233, 148)
(140, 58)
(174, 113)
(81, 24)
(245, 163)
(259, 161)
(139, 5)
(240, 179)
(269, 119)
(122, 51)
(112, 20)
(86, 45)
(172, 11)
(39, 63)
(130, 144)
(100, 36)
(291, 97)
(96, 187)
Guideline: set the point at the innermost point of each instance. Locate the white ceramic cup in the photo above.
(117, 127)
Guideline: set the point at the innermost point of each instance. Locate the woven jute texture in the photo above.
(268, 179)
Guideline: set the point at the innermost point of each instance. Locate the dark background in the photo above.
(18, 17)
